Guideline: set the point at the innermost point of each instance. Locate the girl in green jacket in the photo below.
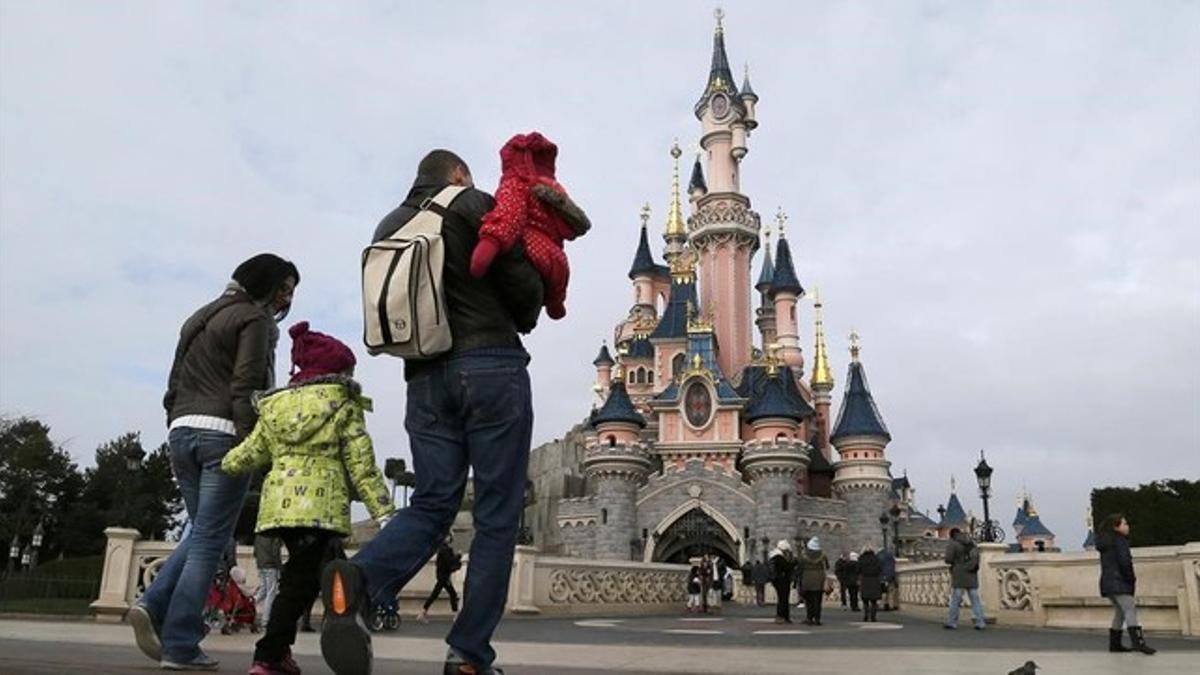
(313, 435)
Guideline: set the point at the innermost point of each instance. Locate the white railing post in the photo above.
(521, 581)
(115, 591)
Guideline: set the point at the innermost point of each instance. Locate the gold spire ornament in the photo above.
(675, 225)
(822, 375)
(683, 266)
(719, 15)
(645, 214)
(854, 348)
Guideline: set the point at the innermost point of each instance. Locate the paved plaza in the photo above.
(743, 640)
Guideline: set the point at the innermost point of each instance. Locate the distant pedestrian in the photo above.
(814, 567)
(312, 434)
(839, 572)
(268, 556)
(1118, 583)
(761, 575)
(717, 590)
(693, 589)
(447, 563)
(706, 580)
(852, 573)
(727, 585)
(962, 555)
(783, 569)
(891, 591)
(870, 583)
(225, 354)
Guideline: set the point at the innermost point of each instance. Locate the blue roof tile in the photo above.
(859, 416)
(785, 278)
(643, 260)
(955, 514)
(1035, 528)
(674, 322)
(618, 408)
(604, 359)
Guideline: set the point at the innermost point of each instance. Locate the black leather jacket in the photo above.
(487, 312)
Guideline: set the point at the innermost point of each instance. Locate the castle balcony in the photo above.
(776, 456)
(616, 459)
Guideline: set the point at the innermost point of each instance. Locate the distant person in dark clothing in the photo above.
(852, 573)
(1118, 583)
(448, 562)
(760, 575)
(891, 592)
(814, 569)
(870, 583)
(962, 555)
(839, 571)
(783, 569)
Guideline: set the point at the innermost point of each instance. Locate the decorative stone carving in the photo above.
(1016, 589)
(589, 586)
(926, 587)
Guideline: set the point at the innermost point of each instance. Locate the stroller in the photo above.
(228, 608)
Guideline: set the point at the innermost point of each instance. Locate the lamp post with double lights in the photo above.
(39, 533)
(883, 525)
(895, 513)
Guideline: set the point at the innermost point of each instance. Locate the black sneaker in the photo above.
(345, 640)
(457, 665)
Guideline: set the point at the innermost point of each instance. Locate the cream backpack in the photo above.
(404, 306)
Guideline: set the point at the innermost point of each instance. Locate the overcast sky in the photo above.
(1002, 198)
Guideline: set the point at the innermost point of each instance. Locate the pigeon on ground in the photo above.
(1027, 669)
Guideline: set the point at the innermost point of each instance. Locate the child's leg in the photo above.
(299, 586)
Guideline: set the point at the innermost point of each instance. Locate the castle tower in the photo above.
(604, 363)
(786, 291)
(724, 230)
(774, 458)
(616, 463)
(697, 188)
(862, 477)
(644, 269)
(766, 308)
(822, 380)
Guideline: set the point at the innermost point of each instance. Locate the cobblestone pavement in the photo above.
(742, 640)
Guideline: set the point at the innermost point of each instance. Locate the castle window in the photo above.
(603, 516)
(780, 437)
(785, 502)
(677, 364)
(650, 376)
(612, 441)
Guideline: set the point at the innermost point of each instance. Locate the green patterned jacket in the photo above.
(314, 437)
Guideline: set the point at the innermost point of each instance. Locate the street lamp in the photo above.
(895, 512)
(983, 474)
(883, 523)
(39, 533)
(14, 554)
(392, 469)
(26, 555)
(133, 457)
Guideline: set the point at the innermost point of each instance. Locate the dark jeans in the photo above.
(812, 605)
(783, 604)
(309, 550)
(853, 593)
(437, 590)
(472, 412)
(760, 594)
(213, 498)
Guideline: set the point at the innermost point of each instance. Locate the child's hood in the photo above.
(298, 412)
(529, 155)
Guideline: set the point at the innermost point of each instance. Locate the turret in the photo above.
(616, 463)
(775, 458)
(766, 311)
(644, 269)
(604, 363)
(786, 290)
(749, 99)
(862, 475)
(697, 188)
(822, 376)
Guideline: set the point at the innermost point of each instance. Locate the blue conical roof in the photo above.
(773, 402)
(1022, 517)
(674, 322)
(784, 279)
(955, 514)
(720, 77)
(858, 415)
(767, 276)
(643, 260)
(618, 408)
(1090, 542)
(1035, 528)
(604, 358)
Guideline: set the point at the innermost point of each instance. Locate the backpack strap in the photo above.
(438, 205)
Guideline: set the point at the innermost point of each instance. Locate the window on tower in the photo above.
(677, 364)
(784, 501)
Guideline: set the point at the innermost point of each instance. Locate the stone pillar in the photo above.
(989, 581)
(521, 581)
(119, 578)
(1189, 600)
(772, 467)
(616, 471)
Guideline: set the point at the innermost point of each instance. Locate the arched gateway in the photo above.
(692, 530)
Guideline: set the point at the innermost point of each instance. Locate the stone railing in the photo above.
(1061, 590)
(538, 584)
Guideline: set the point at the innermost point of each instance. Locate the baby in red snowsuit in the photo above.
(531, 206)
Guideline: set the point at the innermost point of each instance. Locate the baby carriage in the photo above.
(228, 608)
(386, 616)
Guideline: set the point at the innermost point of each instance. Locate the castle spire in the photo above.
(858, 416)
(768, 267)
(785, 272)
(822, 377)
(720, 76)
(675, 227)
(697, 187)
(643, 260)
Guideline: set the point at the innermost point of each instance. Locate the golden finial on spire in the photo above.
(675, 227)
(854, 345)
(645, 214)
(719, 15)
(781, 219)
(953, 484)
(822, 376)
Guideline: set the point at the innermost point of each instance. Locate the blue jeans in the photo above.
(213, 500)
(472, 412)
(976, 606)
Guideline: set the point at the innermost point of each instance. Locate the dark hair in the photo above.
(263, 274)
(440, 164)
(1110, 523)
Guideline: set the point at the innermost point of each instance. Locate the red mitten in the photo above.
(485, 253)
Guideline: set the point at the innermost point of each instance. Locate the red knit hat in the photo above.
(315, 354)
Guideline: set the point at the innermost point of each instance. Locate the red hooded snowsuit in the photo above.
(533, 207)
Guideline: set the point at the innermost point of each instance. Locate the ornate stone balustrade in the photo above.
(1061, 590)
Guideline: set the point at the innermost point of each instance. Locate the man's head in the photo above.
(443, 165)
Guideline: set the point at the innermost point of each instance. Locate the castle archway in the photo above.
(692, 530)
